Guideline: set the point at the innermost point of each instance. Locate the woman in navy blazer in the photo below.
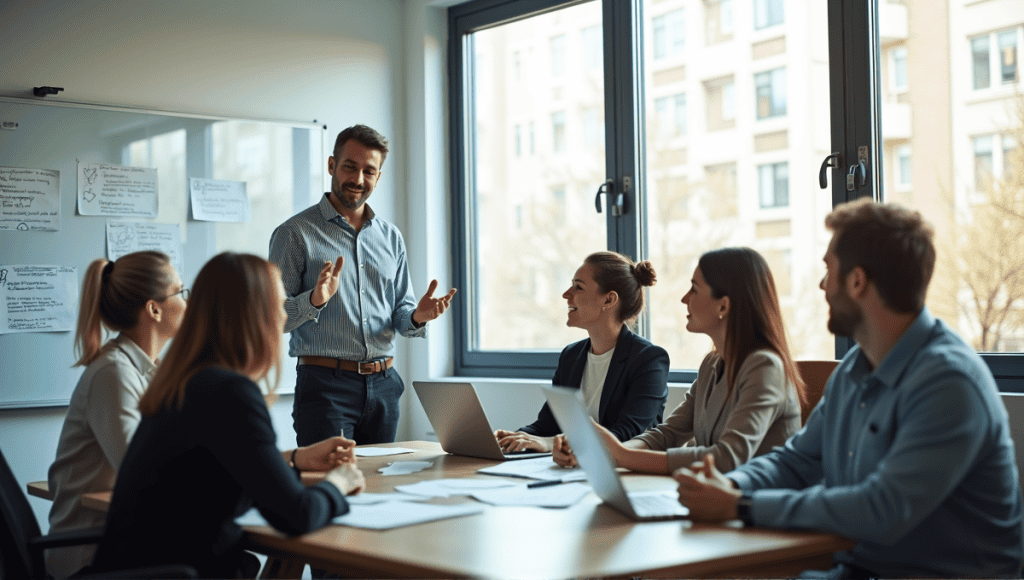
(622, 375)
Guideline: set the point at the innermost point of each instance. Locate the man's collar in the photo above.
(329, 213)
(899, 356)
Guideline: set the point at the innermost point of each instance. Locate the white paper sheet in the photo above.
(29, 199)
(384, 516)
(216, 200)
(450, 487)
(381, 451)
(368, 498)
(36, 298)
(553, 496)
(539, 468)
(405, 467)
(105, 189)
(127, 237)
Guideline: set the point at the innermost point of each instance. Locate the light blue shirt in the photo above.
(913, 460)
(375, 297)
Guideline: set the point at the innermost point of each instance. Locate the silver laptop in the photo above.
(459, 421)
(597, 462)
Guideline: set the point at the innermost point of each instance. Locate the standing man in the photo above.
(909, 451)
(343, 318)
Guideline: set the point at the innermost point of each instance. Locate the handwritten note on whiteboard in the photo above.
(127, 237)
(105, 189)
(38, 298)
(29, 199)
(215, 200)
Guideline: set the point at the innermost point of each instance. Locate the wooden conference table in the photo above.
(585, 540)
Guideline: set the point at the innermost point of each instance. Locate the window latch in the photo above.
(618, 202)
(858, 174)
(834, 160)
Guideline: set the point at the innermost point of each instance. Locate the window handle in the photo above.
(606, 187)
(834, 160)
(858, 174)
(618, 203)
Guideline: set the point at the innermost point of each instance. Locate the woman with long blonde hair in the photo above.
(141, 297)
(206, 450)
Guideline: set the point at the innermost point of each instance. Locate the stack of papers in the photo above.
(450, 487)
(539, 468)
(381, 451)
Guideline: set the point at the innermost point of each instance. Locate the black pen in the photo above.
(544, 483)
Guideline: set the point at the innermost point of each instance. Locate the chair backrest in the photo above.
(1014, 403)
(19, 527)
(815, 374)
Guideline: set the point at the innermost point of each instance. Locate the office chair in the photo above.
(815, 374)
(22, 543)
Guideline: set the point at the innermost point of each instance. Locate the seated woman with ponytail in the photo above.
(624, 378)
(746, 398)
(205, 450)
(141, 297)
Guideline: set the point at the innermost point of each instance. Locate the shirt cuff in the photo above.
(304, 307)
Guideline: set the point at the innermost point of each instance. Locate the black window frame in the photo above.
(855, 107)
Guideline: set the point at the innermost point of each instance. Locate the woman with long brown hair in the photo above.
(141, 297)
(206, 451)
(746, 398)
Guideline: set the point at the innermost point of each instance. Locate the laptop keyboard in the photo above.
(651, 504)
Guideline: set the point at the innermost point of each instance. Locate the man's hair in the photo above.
(892, 244)
(367, 136)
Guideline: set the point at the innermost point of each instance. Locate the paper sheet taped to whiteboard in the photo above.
(127, 237)
(38, 298)
(217, 200)
(106, 189)
(29, 199)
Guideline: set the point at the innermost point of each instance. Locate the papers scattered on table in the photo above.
(405, 467)
(381, 451)
(367, 498)
(552, 496)
(384, 516)
(539, 468)
(450, 487)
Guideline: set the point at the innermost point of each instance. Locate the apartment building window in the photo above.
(1006, 43)
(558, 55)
(669, 34)
(1010, 158)
(770, 93)
(773, 184)
(899, 69)
(983, 162)
(768, 13)
(558, 132)
(717, 21)
(670, 113)
(979, 62)
(593, 49)
(903, 166)
(720, 101)
(518, 140)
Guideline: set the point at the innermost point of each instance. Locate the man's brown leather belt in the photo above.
(366, 367)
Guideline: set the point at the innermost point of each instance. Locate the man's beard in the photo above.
(843, 322)
(355, 204)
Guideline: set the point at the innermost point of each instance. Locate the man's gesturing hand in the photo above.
(327, 283)
(429, 307)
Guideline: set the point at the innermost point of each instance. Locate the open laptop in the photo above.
(597, 462)
(459, 421)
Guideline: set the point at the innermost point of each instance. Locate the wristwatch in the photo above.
(743, 508)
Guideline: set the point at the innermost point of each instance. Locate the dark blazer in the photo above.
(634, 392)
(189, 472)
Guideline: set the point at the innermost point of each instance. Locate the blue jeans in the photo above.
(331, 402)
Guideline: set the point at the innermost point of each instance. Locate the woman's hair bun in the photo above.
(644, 272)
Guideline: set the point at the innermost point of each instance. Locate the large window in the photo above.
(683, 170)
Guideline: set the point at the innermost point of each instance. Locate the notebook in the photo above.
(459, 421)
(597, 462)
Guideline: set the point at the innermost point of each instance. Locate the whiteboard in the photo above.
(281, 163)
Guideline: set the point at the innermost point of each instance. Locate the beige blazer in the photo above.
(734, 425)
